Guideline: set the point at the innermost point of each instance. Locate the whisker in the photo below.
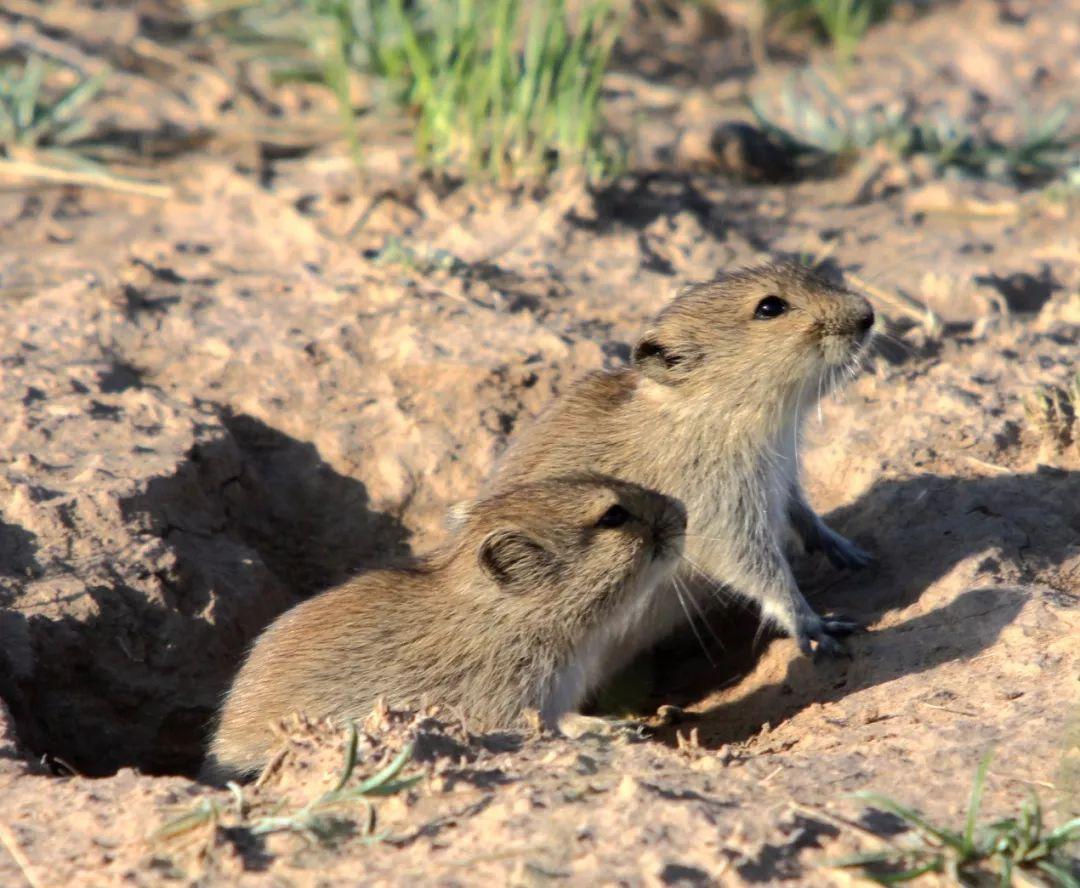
(690, 620)
(884, 336)
(820, 380)
(704, 619)
(714, 588)
(796, 423)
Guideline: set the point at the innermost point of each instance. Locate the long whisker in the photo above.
(719, 592)
(690, 620)
(704, 619)
(820, 380)
(834, 389)
(798, 418)
(885, 336)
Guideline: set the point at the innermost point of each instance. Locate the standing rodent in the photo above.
(516, 612)
(710, 413)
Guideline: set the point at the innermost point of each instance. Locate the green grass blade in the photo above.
(908, 875)
(975, 803)
(1006, 878)
(26, 92)
(1062, 878)
(388, 773)
(78, 96)
(7, 126)
(350, 758)
(1067, 832)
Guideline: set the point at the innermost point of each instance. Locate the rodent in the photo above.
(710, 412)
(516, 611)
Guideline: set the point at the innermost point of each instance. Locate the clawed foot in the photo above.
(825, 633)
(841, 551)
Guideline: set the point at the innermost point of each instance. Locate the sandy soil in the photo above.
(221, 402)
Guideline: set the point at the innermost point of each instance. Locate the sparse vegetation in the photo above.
(1054, 413)
(42, 127)
(844, 22)
(501, 91)
(813, 121)
(497, 93)
(35, 120)
(316, 820)
(1002, 852)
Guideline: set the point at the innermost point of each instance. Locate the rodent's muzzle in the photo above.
(846, 329)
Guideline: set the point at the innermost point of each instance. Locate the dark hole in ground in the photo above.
(253, 521)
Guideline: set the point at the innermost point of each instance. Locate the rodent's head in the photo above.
(772, 329)
(585, 540)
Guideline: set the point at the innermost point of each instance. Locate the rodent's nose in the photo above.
(866, 321)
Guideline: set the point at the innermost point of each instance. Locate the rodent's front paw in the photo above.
(825, 633)
(842, 552)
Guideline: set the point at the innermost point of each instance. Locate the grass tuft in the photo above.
(34, 119)
(815, 123)
(317, 820)
(997, 853)
(43, 133)
(1054, 413)
(500, 91)
(843, 22)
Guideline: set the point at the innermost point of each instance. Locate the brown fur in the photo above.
(511, 614)
(710, 413)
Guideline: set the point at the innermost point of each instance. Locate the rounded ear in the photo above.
(511, 556)
(658, 362)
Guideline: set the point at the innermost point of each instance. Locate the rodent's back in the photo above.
(585, 430)
(389, 634)
(315, 658)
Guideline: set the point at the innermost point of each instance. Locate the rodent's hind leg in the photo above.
(842, 552)
(817, 536)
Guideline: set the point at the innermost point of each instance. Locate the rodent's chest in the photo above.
(720, 490)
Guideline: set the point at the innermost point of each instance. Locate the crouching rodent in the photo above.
(517, 611)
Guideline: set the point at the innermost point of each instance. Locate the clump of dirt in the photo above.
(219, 404)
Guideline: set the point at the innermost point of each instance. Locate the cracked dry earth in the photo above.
(217, 405)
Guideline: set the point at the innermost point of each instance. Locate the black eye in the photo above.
(770, 307)
(616, 516)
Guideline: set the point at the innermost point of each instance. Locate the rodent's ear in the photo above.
(512, 556)
(657, 361)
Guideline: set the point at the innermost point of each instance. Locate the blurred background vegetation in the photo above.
(509, 92)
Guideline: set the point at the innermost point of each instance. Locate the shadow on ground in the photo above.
(250, 522)
(920, 528)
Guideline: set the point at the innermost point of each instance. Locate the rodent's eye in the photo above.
(616, 516)
(770, 307)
